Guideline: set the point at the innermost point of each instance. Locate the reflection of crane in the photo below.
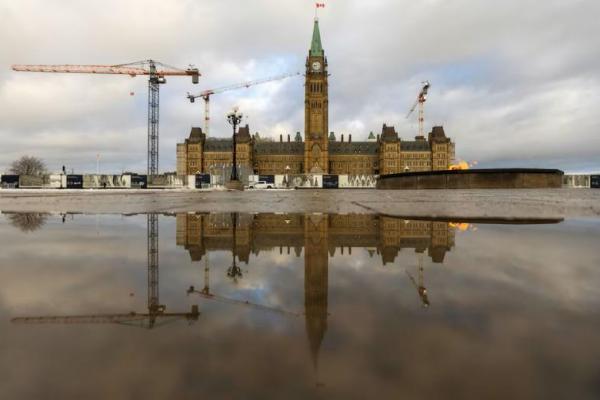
(207, 93)
(132, 318)
(205, 293)
(152, 247)
(420, 286)
(156, 72)
(222, 299)
(421, 98)
(149, 319)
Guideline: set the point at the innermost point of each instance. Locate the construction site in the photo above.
(313, 156)
(297, 214)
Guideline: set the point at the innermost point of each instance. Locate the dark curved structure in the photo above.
(495, 178)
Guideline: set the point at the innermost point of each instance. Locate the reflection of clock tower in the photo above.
(316, 107)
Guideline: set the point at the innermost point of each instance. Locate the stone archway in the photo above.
(315, 155)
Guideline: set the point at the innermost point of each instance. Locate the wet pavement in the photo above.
(457, 204)
(300, 305)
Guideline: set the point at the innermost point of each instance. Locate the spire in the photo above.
(316, 49)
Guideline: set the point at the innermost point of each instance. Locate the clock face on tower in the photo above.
(316, 66)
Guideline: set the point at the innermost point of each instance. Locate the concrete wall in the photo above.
(509, 178)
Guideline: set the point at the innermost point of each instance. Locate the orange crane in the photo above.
(421, 98)
(156, 72)
(205, 94)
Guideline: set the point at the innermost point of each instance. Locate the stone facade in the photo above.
(318, 152)
(321, 236)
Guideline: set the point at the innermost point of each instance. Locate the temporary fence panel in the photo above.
(9, 181)
(139, 181)
(74, 181)
(330, 181)
(202, 181)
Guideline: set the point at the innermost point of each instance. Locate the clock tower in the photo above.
(316, 107)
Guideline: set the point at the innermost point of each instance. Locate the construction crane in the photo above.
(206, 94)
(156, 72)
(145, 320)
(222, 299)
(155, 316)
(206, 294)
(420, 285)
(421, 98)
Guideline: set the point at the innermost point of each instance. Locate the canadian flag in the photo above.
(320, 5)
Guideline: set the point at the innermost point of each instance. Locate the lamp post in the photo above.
(234, 118)
(287, 176)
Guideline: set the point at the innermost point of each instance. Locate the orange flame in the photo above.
(461, 226)
(463, 165)
(460, 165)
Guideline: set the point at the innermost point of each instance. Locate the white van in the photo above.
(260, 185)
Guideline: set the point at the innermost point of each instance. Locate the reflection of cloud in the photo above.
(508, 301)
(27, 221)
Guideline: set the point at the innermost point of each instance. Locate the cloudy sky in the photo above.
(515, 83)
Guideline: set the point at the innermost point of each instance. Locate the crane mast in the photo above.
(156, 72)
(421, 98)
(152, 246)
(206, 94)
(420, 285)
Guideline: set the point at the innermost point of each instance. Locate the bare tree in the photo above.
(27, 222)
(28, 165)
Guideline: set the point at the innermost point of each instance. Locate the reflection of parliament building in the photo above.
(320, 151)
(321, 236)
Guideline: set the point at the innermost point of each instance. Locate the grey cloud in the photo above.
(513, 81)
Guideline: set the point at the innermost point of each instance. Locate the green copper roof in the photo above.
(316, 49)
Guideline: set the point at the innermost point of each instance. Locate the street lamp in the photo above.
(234, 118)
(287, 175)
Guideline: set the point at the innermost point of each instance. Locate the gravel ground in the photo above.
(468, 204)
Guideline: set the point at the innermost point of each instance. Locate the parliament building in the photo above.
(320, 151)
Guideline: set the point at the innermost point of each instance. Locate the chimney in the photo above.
(280, 138)
(342, 140)
(349, 138)
(289, 138)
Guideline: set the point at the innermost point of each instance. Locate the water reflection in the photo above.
(319, 235)
(27, 222)
(365, 296)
